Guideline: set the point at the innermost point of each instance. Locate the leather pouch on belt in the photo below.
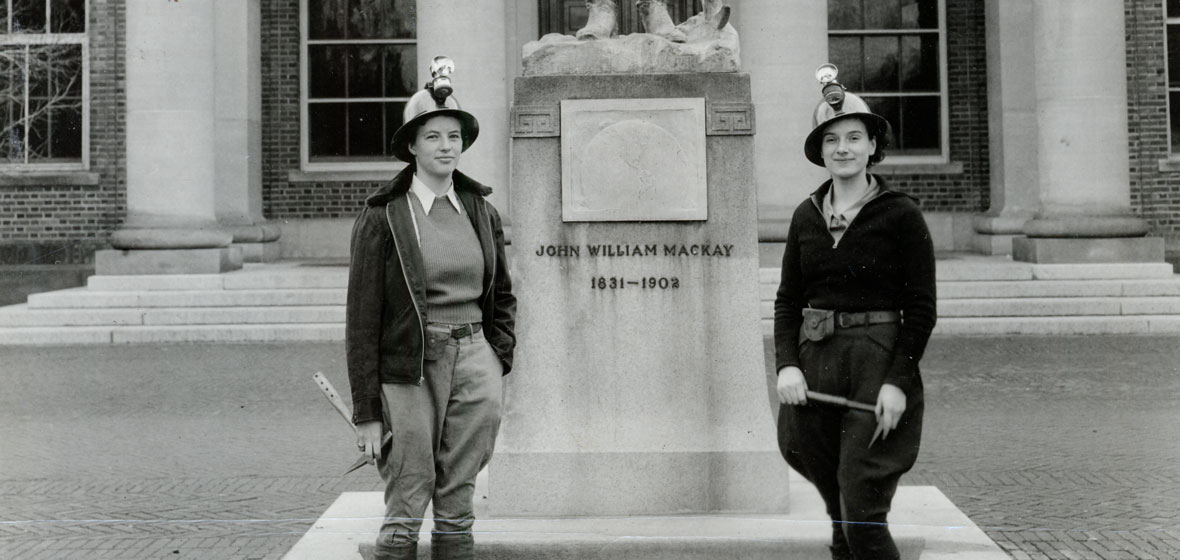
(818, 324)
(436, 342)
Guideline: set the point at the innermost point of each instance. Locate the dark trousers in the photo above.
(829, 445)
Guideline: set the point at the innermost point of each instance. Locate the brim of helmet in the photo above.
(400, 145)
(877, 125)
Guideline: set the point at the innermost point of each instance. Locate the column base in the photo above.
(988, 244)
(1088, 250)
(637, 483)
(263, 252)
(113, 262)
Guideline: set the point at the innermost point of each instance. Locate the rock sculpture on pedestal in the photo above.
(705, 42)
(656, 20)
(602, 23)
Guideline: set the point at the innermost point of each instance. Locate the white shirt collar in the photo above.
(427, 196)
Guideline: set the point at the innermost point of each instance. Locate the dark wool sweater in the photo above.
(885, 261)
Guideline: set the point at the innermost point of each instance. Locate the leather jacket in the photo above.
(386, 306)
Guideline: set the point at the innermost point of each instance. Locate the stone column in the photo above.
(783, 42)
(1012, 126)
(475, 35)
(1082, 149)
(171, 225)
(238, 79)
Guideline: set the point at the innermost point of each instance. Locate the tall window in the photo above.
(359, 69)
(43, 68)
(892, 53)
(1173, 31)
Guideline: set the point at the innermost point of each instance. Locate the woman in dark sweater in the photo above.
(852, 317)
(429, 329)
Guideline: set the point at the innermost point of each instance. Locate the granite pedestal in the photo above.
(639, 386)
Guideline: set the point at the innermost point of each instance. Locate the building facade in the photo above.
(196, 124)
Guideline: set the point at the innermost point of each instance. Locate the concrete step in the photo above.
(278, 278)
(319, 332)
(85, 298)
(21, 316)
(925, 525)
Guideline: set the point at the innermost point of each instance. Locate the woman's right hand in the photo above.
(368, 439)
(792, 388)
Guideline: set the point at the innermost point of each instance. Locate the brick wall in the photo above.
(65, 223)
(281, 198)
(1155, 194)
(967, 89)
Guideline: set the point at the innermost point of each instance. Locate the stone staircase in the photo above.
(995, 295)
(304, 301)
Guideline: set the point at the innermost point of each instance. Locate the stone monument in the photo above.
(639, 386)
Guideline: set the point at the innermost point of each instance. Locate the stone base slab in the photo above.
(265, 252)
(923, 521)
(167, 261)
(1088, 250)
(638, 483)
(989, 244)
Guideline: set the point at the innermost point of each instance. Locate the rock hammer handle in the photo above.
(333, 397)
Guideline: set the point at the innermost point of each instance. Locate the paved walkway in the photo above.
(1058, 447)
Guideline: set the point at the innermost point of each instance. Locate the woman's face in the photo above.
(437, 146)
(847, 147)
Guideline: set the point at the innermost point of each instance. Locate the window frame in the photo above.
(1173, 153)
(305, 163)
(895, 158)
(48, 38)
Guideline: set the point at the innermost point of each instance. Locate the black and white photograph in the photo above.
(590, 279)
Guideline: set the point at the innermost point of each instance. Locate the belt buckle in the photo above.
(460, 332)
(842, 320)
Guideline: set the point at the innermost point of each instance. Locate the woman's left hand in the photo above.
(890, 406)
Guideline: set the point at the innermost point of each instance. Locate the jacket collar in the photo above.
(400, 185)
(817, 197)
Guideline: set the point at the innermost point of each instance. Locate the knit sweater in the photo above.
(452, 262)
(885, 261)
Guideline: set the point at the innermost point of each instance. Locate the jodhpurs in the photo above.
(443, 434)
(829, 445)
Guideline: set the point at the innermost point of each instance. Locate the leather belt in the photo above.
(465, 330)
(846, 319)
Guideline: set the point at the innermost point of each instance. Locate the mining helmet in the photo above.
(839, 104)
(434, 100)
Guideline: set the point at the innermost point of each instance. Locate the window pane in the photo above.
(382, 19)
(1174, 119)
(12, 133)
(364, 71)
(845, 14)
(393, 120)
(3, 18)
(327, 133)
(919, 63)
(881, 62)
(887, 107)
(845, 53)
(65, 133)
(1174, 55)
(882, 14)
(67, 16)
(327, 19)
(361, 19)
(366, 123)
(927, 13)
(401, 74)
(920, 125)
(39, 138)
(1173, 8)
(327, 67)
(576, 15)
(28, 16)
